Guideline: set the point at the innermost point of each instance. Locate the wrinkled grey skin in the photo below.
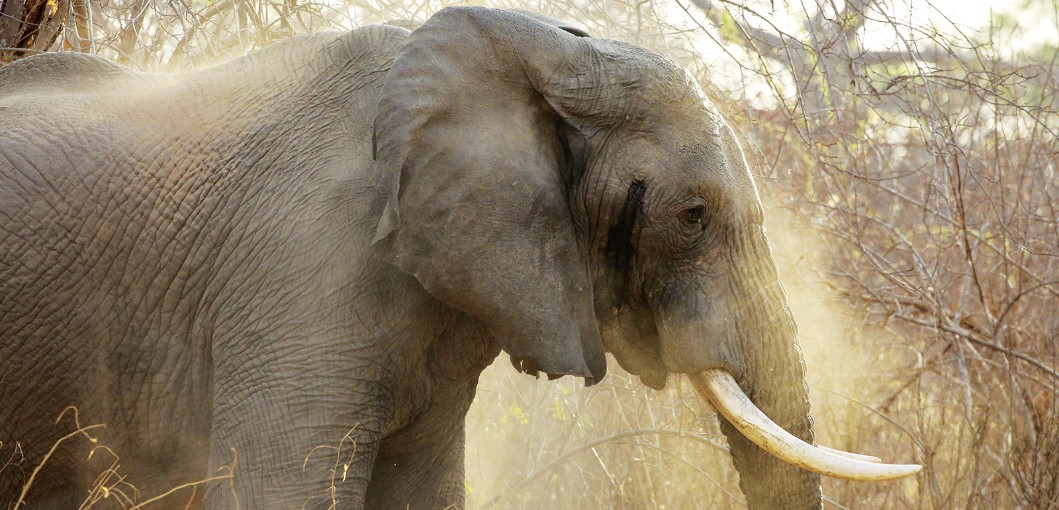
(341, 232)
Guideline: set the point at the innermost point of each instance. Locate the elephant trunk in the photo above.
(773, 377)
(765, 403)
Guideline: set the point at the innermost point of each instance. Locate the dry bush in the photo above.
(912, 162)
(929, 169)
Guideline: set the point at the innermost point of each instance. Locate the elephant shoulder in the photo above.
(62, 70)
(335, 49)
(370, 47)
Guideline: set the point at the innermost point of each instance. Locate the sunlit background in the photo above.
(906, 152)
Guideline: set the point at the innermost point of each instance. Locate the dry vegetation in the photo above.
(910, 170)
(112, 487)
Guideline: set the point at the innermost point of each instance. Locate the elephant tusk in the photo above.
(848, 455)
(720, 389)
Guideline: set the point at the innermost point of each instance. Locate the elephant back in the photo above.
(64, 70)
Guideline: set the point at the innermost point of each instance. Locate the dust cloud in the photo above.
(621, 445)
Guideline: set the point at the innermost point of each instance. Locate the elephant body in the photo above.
(282, 276)
(201, 250)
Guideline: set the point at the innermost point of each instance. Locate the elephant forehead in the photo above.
(671, 158)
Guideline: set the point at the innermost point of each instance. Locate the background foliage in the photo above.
(908, 163)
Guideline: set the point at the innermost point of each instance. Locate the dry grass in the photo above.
(111, 487)
(343, 453)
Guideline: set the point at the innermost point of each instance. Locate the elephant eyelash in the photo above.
(694, 215)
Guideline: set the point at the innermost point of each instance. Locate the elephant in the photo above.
(288, 271)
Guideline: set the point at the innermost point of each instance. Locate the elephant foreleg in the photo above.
(421, 464)
(294, 432)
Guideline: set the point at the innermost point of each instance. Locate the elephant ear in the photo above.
(571, 27)
(472, 177)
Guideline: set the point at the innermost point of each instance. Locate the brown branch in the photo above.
(776, 43)
(82, 14)
(967, 335)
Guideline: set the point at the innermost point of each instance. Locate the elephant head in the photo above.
(579, 196)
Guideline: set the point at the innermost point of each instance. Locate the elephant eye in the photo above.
(694, 215)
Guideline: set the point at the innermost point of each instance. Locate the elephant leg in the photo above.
(296, 427)
(45, 496)
(290, 462)
(421, 464)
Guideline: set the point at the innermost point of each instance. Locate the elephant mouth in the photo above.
(720, 389)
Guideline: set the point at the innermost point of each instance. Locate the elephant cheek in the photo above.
(700, 342)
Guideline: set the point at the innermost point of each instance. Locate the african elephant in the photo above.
(333, 236)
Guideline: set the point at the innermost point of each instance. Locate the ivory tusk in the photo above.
(720, 389)
(848, 455)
